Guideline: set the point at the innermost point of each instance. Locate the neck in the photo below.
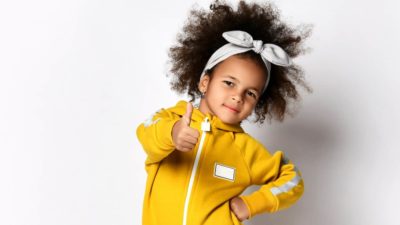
(204, 108)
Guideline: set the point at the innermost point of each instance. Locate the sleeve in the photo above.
(281, 182)
(155, 135)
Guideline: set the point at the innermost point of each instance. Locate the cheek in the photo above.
(217, 93)
(251, 102)
(251, 107)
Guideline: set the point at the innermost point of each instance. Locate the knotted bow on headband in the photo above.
(241, 41)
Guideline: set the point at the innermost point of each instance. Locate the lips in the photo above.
(233, 109)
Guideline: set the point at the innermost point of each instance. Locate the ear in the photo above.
(203, 84)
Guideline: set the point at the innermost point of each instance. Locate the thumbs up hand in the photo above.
(183, 136)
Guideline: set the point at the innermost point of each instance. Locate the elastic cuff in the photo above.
(259, 202)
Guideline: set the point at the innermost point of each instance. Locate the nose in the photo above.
(237, 97)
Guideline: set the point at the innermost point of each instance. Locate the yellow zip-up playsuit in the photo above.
(194, 188)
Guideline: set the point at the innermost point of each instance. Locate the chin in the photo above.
(229, 120)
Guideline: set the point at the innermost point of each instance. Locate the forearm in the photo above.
(156, 138)
(281, 186)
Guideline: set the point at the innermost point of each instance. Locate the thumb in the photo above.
(188, 114)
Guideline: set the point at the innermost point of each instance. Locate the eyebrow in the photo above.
(234, 78)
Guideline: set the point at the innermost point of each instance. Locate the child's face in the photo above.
(234, 89)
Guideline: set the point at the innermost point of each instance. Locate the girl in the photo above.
(199, 159)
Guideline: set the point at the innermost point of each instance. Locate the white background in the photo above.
(77, 77)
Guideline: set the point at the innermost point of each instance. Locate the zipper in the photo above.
(205, 127)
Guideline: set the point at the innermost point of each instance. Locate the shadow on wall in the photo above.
(311, 141)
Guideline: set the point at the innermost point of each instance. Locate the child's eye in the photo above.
(229, 83)
(252, 94)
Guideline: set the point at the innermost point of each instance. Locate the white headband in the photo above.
(241, 41)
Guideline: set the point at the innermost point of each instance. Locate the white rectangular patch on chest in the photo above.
(224, 172)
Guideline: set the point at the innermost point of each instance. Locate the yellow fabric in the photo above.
(168, 172)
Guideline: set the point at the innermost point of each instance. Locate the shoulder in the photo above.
(246, 142)
(171, 110)
(164, 113)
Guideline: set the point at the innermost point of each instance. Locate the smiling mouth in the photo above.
(232, 109)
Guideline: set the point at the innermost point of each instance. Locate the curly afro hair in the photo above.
(202, 36)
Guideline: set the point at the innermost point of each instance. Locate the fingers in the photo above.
(185, 146)
(187, 139)
(192, 138)
(183, 136)
(239, 208)
(191, 132)
(187, 117)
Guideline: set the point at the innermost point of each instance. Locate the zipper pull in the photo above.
(205, 125)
